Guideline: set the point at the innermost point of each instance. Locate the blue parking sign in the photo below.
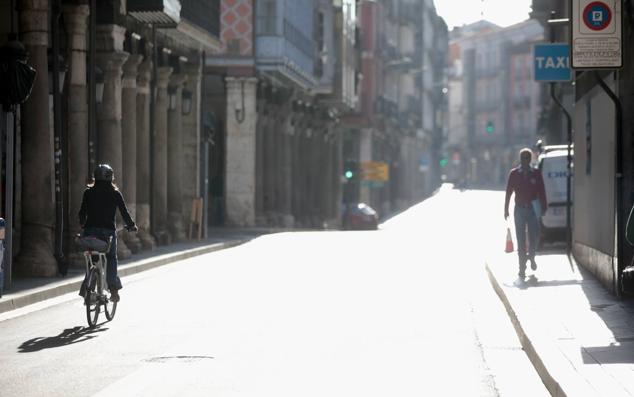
(552, 62)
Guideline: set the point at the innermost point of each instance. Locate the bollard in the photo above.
(2, 226)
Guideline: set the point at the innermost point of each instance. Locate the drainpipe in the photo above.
(57, 136)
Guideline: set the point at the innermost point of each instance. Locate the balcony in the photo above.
(487, 106)
(414, 105)
(203, 13)
(286, 52)
(523, 101)
(386, 107)
(389, 50)
(487, 73)
(339, 60)
(411, 13)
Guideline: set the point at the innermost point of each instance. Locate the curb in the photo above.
(553, 387)
(64, 287)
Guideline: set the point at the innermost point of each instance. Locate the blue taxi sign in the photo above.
(552, 62)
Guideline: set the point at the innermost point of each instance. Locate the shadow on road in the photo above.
(68, 336)
(533, 282)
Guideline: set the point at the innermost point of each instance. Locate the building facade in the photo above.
(214, 113)
(494, 103)
(399, 122)
(287, 71)
(236, 103)
(120, 82)
(603, 172)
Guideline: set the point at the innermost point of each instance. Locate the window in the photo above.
(267, 18)
(319, 41)
(518, 66)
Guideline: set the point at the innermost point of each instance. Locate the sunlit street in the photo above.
(316, 198)
(400, 311)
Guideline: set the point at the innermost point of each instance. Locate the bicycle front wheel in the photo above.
(92, 299)
(109, 306)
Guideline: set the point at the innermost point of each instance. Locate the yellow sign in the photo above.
(375, 171)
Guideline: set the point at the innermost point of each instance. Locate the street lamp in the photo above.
(187, 102)
(171, 92)
(240, 114)
(99, 85)
(61, 74)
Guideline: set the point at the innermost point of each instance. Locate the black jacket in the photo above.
(99, 205)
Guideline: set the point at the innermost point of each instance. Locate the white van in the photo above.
(553, 163)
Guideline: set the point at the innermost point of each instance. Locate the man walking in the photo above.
(530, 204)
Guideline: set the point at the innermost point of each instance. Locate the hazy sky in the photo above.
(501, 12)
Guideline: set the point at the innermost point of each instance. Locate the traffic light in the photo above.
(350, 170)
(443, 162)
(490, 127)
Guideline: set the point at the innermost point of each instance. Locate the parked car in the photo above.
(359, 216)
(553, 163)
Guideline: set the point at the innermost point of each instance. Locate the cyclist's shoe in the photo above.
(114, 295)
(90, 298)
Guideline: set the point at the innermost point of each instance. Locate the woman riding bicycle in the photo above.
(97, 217)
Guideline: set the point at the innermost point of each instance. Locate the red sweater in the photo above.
(527, 186)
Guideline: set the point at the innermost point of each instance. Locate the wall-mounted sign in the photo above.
(552, 62)
(597, 41)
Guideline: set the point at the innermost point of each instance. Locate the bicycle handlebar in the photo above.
(133, 228)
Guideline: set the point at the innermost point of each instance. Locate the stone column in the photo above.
(191, 143)
(38, 211)
(129, 144)
(76, 19)
(365, 155)
(337, 161)
(241, 140)
(110, 59)
(286, 178)
(328, 192)
(314, 173)
(143, 154)
(159, 203)
(259, 157)
(278, 134)
(268, 177)
(175, 161)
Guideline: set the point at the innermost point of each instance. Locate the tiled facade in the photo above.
(236, 18)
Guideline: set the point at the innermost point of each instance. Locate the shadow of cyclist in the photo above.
(68, 336)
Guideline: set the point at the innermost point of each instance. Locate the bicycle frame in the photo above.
(100, 265)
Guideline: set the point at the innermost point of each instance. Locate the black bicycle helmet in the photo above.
(103, 172)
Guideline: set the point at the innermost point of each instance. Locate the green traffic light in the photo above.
(349, 174)
(443, 163)
(490, 127)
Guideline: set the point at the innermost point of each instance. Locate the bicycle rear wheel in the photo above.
(109, 306)
(92, 299)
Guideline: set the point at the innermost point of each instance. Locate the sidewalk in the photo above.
(26, 291)
(579, 337)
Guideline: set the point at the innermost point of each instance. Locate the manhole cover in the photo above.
(177, 359)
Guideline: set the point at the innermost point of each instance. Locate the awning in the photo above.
(159, 12)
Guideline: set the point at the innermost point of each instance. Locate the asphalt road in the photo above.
(403, 311)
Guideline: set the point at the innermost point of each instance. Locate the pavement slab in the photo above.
(578, 336)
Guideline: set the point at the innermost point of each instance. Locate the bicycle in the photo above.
(97, 294)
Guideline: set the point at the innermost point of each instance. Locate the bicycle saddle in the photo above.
(91, 243)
